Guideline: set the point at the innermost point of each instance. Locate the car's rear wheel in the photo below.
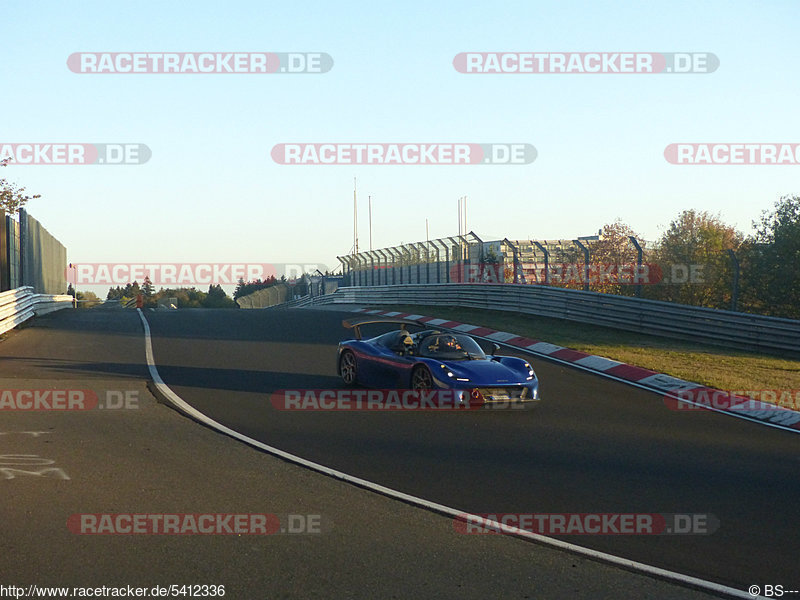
(348, 368)
(421, 378)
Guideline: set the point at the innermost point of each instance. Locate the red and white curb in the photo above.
(738, 406)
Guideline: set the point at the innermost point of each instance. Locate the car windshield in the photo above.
(450, 347)
(391, 339)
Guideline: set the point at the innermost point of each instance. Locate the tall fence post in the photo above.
(428, 259)
(5, 253)
(636, 245)
(468, 261)
(385, 267)
(397, 265)
(23, 238)
(515, 252)
(457, 262)
(342, 261)
(546, 253)
(585, 264)
(480, 245)
(418, 248)
(438, 262)
(372, 269)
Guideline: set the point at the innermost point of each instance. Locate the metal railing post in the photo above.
(457, 262)
(397, 265)
(359, 271)
(385, 269)
(438, 262)
(546, 253)
(515, 252)
(585, 264)
(635, 243)
(427, 266)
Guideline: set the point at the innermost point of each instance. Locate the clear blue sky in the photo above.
(211, 192)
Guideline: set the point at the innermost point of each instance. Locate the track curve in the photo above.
(593, 445)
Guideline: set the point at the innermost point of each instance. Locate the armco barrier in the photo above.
(304, 301)
(21, 304)
(651, 317)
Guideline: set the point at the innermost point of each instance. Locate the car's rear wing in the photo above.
(355, 324)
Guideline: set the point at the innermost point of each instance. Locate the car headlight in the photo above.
(452, 375)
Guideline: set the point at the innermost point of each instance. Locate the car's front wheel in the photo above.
(348, 368)
(421, 379)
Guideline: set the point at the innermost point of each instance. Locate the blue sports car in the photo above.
(431, 360)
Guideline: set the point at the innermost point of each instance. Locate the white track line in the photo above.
(182, 405)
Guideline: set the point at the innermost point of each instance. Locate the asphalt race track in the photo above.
(592, 445)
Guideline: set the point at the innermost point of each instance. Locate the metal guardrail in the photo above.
(305, 301)
(19, 305)
(651, 317)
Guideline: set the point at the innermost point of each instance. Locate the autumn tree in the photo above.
(147, 287)
(87, 299)
(244, 288)
(12, 198)
(693, 255)
(613, 260)
(771, 261)
(217, 298)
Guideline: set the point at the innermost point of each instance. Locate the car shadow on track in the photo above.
(73, 369)
(240, 380)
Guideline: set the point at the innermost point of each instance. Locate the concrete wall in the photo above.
(271, 296)
(9, 254)
(44, 258)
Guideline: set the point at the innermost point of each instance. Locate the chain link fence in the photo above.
(623, 266)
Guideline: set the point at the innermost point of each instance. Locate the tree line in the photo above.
(720, 266)
(215, 297)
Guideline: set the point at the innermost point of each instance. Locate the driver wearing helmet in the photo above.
(408, 342)
(450, 344)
